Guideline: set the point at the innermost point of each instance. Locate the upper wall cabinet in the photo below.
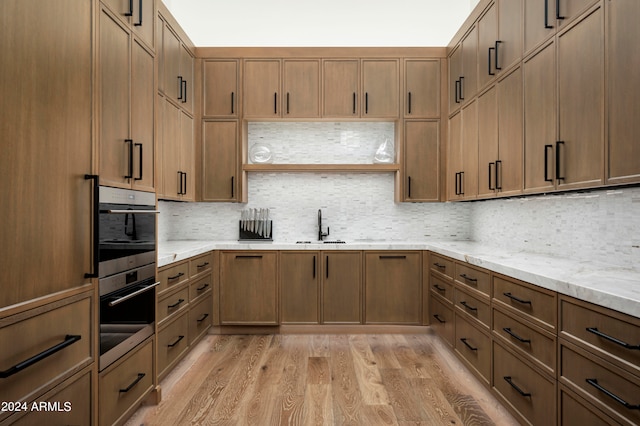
(422, 88)
(138, 15)
(463, 70)
(300, 88)
(380, 88)
(220, 88)
(176, 63)
(341, 87)
(261, 88)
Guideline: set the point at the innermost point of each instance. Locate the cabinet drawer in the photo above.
(200, 317)
(442, 265)
(200, 287)
(173, 275)
(603, 384)
(201, 264)
(125, 383)
(474, 307)
(574, 411)
(68, 404)
(531, 395)
(610, 334)
(173, 341)
(442, 320)
(62, 331)
(474, 347)
(473, 278)
(442, 287)
(533, 341)
(536, 304)
(171, 304)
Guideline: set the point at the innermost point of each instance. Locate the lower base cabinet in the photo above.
(173, 342)
(575, 411)
(474, 347)
(200, 318)
(342, 287)
(442, 319)
(125, 384)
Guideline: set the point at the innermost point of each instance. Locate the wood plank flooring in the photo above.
(298, 379)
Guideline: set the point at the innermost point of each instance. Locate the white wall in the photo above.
(321, 23)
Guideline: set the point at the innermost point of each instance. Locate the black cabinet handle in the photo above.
(517, 299)
(469, 307)
(354, 102)
(204, 287)
(327, 266)
(175, 305)
(180, 183)
(439, 266)
(275, 103)
(457, 90)
(546, 163)
(490, 173)
(139, 145)
(489, 61)
(233, 178)
(594, 383)
(599, 333)
(366, 102)
(202, 318)
(130, 12)
(461, 183)
(175, 277)
(468, 278)
(202, 265)
(129, 174)
(135, 382)
(546, 14)
(95, 207)
(248, 256)
(440, 320)
(180, 87)
(184, 95)
(558, 143)
(409, 106)
(408, 186)
(457, 183)
(464, 340)
(515, 336)
(392, 257)
(440, 289)
(68, 340)
(314, 266)
(171, 345)
(139, 23)
(499, 175)
(287, 102)
(558, 16)
(184, 186)
(496, 64)
(233, 103)
(513, 385)
(462, 88)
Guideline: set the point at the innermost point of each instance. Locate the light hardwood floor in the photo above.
(357, 379)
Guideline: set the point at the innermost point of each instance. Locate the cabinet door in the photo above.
(455, 72)
(581, 103)
(509, 50)
(381, 88)
(539, 22)
(540, 116)
(455, 156)
(115, 145)
(171, 54)
(170, 150)
(341, 287)
(509, 170)
(487, 36)
(487, 141)
(221, 88)
(393, 288)
(301, 90)
(469, 83)
(340, 87)
(568, 10)
(469, 182)
(219, 156)
(623, 103)
(185, 95)
(422, 160)
(187, 157)
(143, 20)
(261, 91)
(142, 116)
(299, 287)
(422, 83)
(248, 288)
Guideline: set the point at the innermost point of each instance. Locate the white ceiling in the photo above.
(326, 23)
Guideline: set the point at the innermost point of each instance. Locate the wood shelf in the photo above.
(336, 168)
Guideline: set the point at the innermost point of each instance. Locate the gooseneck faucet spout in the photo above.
(321, 234)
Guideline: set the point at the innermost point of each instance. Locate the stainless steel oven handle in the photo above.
(134, 294)
(133, 211)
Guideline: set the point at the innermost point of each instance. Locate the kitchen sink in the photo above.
(322, 242)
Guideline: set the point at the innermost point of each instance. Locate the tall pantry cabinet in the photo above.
(46, 116)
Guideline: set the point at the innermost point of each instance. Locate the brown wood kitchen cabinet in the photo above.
(300, 88)
(422, 88)
(421, 160)
(261, 88)
(463, 73)
(137, 15)
(177, 63)
(340, 87)
(248, 288)
(127, 91)
(393, 287)
(220, 151)
(221, 96)
(341, 287)
(300, 277)
(178, 176)
(462, 181)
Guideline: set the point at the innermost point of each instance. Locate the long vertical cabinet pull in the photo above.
(139, 145)
(546, 15)
(130, 12)
(180, 184)
(558, 16)
(354, 103)
(96, 225)
(491, 49)
(409, 106)
(546, 163)
(490, 167)
(183, 90)
(558, 177)
(314, 266)
(461, 183)
(498, 175)
(327, 266)
(408, 186)
(233, 179)
(366, 103)
(232, 103)
(185, 183)
(496, 63)
(462, 88)
(139, 23)
(275, 103)
(129, 175)
(287, 102)
(457, 91)
(180, 86)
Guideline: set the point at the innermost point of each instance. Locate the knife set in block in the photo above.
(255, 225)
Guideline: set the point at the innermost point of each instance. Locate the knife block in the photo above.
(246, 235)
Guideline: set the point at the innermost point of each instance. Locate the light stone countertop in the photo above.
(606, 285)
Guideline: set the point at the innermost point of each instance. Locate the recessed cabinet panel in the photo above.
(342, 287)
(422, 160)
(261, 92)
(299, 287)
(142, 116)
(301, 89)
(221, 96)
(340, 87)
(422, 87)
(219, 154)
(380, 86)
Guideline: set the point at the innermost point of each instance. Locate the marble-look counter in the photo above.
(596, 282)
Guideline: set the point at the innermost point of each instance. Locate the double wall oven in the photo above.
(126, 265)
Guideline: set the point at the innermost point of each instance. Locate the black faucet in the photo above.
(321, 234)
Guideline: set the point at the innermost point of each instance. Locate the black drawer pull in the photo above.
(68, 340)
(441, 321)
(466, 305)
(203, 265)
(513, 385)
(440, 289)
(515, 336)
(464, 340)
(178, 303)
(248, 256)
(517, 299)
(594, 383)
(171, 345)
(392, 257)
(202, 318)
(468, 278)
(135, 382)
(175, 277)
(202, 288)
(439, 266)
(599, 333)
